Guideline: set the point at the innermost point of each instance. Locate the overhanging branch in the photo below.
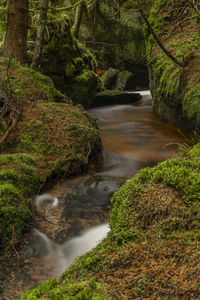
(180, 64)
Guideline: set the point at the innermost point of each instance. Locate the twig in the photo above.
(195, 6)
(8, 131)
(13, 240)
(45, 219)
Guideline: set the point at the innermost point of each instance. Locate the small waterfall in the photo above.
(80, 245)
(61, 256)
(49, 244)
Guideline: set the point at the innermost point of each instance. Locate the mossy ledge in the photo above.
(175, 89)
(49, 139)
(152, 250)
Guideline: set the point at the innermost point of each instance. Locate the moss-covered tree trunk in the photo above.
(17, 28)
(78, 18)
(40, 34)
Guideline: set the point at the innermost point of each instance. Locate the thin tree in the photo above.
(15, 44)
(78, 19)
(156, 37)
(40, 35)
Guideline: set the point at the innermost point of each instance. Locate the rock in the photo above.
(109, 78)
(125, 81)
(114, 97)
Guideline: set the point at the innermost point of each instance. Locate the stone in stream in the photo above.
(125, 81)
(109, 78)
(115, 97)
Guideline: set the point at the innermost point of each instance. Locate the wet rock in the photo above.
(125, 81)
(102, 191)
(115, 97)
(109, 78)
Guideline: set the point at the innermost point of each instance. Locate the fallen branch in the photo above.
(8, 131)
(45, 219)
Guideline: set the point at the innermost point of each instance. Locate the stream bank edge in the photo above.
(154, 232)
(52, 138)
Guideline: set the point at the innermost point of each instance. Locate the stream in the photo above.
(133, 138)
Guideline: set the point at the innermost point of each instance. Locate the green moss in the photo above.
(18, 180)
(157, 204)
(69, 71)
(182, 175)
(82, 88)
(124, 75)
(130, 4)
(175, 90)
(191, 101)
(34, 85)
(3, 127)
(14, 212)
(78, 61)
(52, 139)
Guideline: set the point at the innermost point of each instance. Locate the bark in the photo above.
(78, 19)
(17, 29)
(40, 35)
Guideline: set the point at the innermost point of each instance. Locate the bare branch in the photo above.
(8, 131)
(180, 64)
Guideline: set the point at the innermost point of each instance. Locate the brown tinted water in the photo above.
(132, 138)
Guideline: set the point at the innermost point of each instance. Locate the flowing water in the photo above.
(76, 217)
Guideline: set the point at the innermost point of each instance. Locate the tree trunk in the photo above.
(40, 35)
(17, 29)
(78, 18)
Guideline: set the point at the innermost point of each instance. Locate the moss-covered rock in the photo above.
(108, 97)
(83, 87)
(50, 139)
(154, 231)
(109, 78)
(125, 81)
(21, 81)
(19, 179)
(175, 89)
(71, 61)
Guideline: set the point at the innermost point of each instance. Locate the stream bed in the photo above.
(133, 138)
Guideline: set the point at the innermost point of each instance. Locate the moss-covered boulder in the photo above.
(83, 87)
(108, 97)
(109, 78)
(69, 63)
(46, 139)
(154, 232)
(175, 89)
(125, 81)
(22, 82)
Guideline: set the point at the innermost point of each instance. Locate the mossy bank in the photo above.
(152, 250)
(175, 89)
(43, 137)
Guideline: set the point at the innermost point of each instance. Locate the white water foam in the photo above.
(80, 245)
(62, 256)
(49, 244)
(45, 200)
